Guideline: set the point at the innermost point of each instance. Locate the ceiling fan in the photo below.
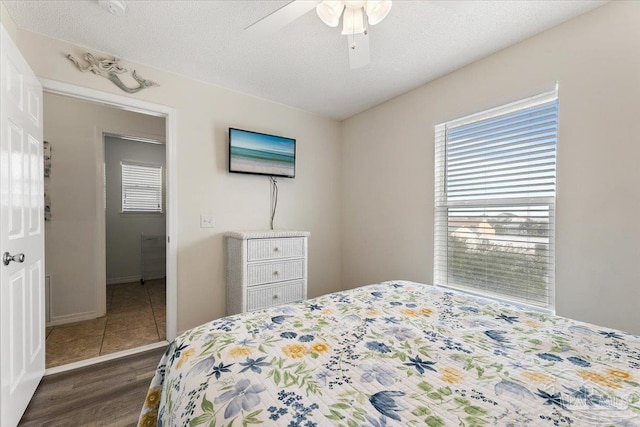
(357, 15)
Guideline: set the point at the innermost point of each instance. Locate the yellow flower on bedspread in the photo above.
(185, 355)
(426, 311)
(452, 376)
(532, 324)
(597, 378)
(538, 377)
(153, 397)
(240, 351)
(294, 351)
(328, 311)
(409, 312)
(150, 419)
(320, 347)
(619, 374)
(372, 313)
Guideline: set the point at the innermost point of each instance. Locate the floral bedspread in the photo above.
(397, 354)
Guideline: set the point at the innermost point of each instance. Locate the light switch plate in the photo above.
(207, 221)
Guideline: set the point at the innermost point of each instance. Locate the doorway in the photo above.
(117, 295)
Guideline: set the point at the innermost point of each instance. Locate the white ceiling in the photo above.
(304, 65)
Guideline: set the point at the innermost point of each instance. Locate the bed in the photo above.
(396, 354)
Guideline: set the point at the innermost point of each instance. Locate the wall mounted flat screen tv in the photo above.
(261, 154)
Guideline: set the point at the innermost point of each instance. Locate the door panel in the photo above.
(21, 232)
(16, 182)
(14, 84)
(35, 182)
(35, 310)
(16, 314)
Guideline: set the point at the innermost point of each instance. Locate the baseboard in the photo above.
(104, 358)
(70, 318)
(124, 279)
(129, 279)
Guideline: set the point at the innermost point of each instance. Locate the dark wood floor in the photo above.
(107, 394)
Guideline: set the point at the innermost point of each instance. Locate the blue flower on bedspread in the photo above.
(497, 336)
(585, 395)
(218, 370)
(385, 404)
(513, 389)
(420, 364)
(254, 365)
(550, 357)
(379, 373)
(177, 352)
(246, 342)
(378, 346)
(244, 396)
(203, 366)
(553, 399)
(279, 319)
(614, 335)
(288, 335)
(579, 361)
(401, 333)
(306, 338)
(508, 319)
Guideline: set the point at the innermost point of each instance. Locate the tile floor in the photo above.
(135, 316)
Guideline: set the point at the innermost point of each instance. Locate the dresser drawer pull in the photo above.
(276, 249)
(275, 296)
(275, 273)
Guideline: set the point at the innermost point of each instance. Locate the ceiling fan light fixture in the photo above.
(377, 10)
(329, 12)
(353, 21)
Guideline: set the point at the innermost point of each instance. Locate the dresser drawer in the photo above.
(277, 271)
(263, 249)
(259, 297)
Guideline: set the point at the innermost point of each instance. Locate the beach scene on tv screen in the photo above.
(265, 154)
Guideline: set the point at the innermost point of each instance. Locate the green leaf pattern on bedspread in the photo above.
(396, 354)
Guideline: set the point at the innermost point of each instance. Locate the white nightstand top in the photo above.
(265, 234)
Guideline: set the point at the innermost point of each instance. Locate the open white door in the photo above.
(22, 350)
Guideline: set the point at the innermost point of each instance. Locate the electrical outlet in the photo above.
(207, 221)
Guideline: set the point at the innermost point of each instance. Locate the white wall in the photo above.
(124, 229)
(310, 202)
(8, 22)
(73, 128)
(388, 163)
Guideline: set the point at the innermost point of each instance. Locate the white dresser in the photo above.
(265, 268)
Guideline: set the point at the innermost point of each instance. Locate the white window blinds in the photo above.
(141, 188)
(495, 186)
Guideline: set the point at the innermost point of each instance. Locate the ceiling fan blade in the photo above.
(281, 17)
(358, 50)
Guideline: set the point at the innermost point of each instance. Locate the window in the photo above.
(495, 189)
(141, 188)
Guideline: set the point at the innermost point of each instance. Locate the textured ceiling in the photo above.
(304, 65)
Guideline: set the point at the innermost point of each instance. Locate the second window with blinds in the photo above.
(495, 194)
(141, 188)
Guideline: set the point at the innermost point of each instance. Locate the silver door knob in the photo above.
(7, 258)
